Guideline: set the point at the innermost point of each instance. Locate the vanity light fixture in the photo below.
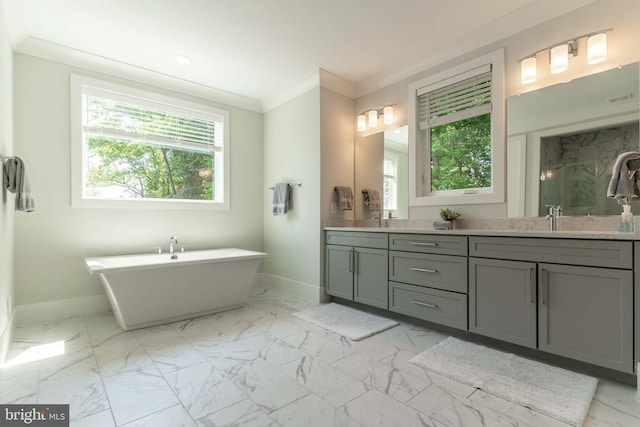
(559, 58)
(388, 115)
(597, 48)
(560, 53)
(362, 123)
(528, 70)
(371, 116)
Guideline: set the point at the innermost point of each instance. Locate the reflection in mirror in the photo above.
(563, 141)
(382, 164)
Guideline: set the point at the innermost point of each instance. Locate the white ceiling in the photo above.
(260, 48)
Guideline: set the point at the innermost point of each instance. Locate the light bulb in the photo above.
(597, 48)
(559, 58)
(388, 115)
(362, 123)
(373, 118)
(528, 70)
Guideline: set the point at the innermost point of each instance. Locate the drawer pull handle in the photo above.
(424, 304)
(423, 244)
(423, 270)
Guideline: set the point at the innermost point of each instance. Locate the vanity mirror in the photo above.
(563, 140)
(381, 163)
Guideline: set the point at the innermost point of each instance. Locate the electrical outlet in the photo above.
(334, 208)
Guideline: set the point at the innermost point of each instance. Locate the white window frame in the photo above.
(393, 191)
(418, 196)
(152, 100)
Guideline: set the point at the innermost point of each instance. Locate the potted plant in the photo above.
(448, 216)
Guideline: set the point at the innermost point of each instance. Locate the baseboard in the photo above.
(5, 338)
(50, 310)
(294, 287)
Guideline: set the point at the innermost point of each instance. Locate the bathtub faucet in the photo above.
(173, 241)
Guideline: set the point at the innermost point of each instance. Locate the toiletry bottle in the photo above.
(626, 219)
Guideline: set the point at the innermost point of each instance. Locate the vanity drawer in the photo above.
(444, 272)
(429, 243)
(596, 253)
(357, 238)
(445, 308)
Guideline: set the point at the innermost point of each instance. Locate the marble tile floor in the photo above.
(258, 366)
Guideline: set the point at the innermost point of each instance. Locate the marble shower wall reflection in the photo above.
(576, 169)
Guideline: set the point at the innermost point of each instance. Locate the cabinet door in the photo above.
(339, 271)
(586, 313)
(371, 282)
(502, 300)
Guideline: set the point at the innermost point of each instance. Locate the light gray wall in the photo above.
(52, 241)
(6, 201)
(337, 123)
(621, 15)
(292, 154)
(310, 140)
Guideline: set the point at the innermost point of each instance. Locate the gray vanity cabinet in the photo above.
(356, 267)
(586, 313)
(428, 277)
(503, 300)
(584, 306)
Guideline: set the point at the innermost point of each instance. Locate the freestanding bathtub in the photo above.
(146, 290)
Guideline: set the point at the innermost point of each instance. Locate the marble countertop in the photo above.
(569, 234)
(587, 227)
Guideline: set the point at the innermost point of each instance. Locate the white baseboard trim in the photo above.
(50, 310)
(5, 338)
(294, 287)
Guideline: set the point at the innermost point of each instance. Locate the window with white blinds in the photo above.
(463, 99)
(390, 182)
(458, 143)
(133, 148)
(113, 115)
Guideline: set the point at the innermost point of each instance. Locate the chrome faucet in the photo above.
(173, 241)
(378, 216)
(552, 216)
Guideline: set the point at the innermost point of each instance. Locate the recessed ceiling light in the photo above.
(181, 59)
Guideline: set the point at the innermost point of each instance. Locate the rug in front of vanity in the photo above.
(345, 321)
(555, 392)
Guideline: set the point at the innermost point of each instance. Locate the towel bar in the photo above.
(297, 184)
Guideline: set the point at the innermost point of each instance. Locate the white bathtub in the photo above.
(146, 290)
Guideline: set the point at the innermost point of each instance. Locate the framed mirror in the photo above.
(382, 164)
(563, 140)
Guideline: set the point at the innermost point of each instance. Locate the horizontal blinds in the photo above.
(118, 119)
(389, 167)
(467, 98)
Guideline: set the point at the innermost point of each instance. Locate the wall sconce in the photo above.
(560, 53)
(371, 117)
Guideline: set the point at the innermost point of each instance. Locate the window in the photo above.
(139, 149)
(459, 139)
(390, 184)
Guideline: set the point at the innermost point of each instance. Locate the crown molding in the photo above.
(319, 78)
(81, 59)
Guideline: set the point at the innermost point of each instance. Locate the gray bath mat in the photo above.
(345, 321)
(552, 391)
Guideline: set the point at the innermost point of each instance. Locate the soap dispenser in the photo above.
(626, 219)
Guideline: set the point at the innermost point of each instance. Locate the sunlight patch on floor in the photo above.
(37, 352)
